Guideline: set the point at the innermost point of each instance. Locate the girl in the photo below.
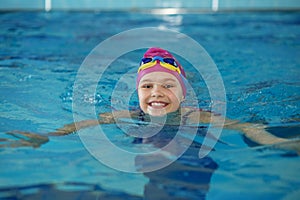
(161, 90)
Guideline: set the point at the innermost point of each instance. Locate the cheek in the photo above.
(178, 96)
(141, 97)
(143, 105)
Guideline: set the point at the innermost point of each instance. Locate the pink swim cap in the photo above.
(155, 51)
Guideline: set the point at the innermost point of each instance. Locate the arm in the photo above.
(22, 138)
(254, 132)
(71, 128)
(35, 140)
(258, 134)
(104, 118)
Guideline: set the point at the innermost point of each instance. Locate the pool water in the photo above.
(256, 53)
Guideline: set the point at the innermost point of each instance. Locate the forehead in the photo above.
(159, 77)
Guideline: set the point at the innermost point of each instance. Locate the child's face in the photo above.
(159, 93)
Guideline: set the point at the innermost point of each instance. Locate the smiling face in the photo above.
(159, 93)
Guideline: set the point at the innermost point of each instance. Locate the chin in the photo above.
(157, 113)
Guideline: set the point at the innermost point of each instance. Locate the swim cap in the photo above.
(161, 53)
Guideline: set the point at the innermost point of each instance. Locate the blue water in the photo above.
(257, 55)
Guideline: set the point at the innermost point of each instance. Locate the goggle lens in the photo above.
(170, 61)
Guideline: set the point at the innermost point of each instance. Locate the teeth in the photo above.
(157, 104)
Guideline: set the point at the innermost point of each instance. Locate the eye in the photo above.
(168, 86)
(146, 86)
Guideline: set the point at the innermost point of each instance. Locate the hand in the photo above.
(24, 139)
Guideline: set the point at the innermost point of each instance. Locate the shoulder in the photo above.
(119, 114)
(198, 115)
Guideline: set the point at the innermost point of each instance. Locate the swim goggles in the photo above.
(168, 63)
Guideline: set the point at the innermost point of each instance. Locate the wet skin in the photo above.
(159, 93)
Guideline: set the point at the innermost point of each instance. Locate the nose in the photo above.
(156, 91)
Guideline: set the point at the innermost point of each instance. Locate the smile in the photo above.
(157, 104)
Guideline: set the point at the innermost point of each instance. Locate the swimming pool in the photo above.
(257, 55)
